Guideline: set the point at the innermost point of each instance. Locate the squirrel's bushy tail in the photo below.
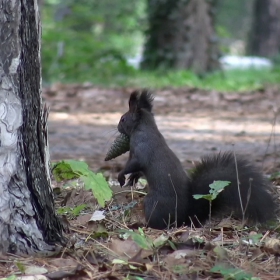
(254, 189)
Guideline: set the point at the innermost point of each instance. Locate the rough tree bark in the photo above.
(28, 223)
(181, 35)
(264, 39)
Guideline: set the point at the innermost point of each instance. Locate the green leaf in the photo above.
(12, 277)
(64, 171)
(180, 269)
(220, 252)
(100, 232)
(141, 231)
(140, 239)
(78, 209)
(99, 186)
(274, 176)
(73, 169)
(132, 266)
(219, 186)
(198, 240)
(172, 245)
(21, 267)
(160, 241)
(63, 210)
(75, 212)
(143, 181)
(231, 273)
(119, 261)
(254, 238)
(215, 188)
(205, 196)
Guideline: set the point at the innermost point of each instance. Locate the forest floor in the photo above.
(195, 122)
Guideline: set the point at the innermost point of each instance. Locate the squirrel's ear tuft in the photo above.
(145, 100)
(141, 100)
(133, 100)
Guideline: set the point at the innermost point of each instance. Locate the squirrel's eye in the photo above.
(122, 119)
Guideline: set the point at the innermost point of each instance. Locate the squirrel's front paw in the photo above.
(133, 178)
(121, 179)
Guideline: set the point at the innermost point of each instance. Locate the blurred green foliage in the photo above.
(230, 80)
(85, 38)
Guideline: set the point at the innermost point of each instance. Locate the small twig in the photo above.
(168, 224)
(248, 195)
(176, 200)
(193, 227)
(238, 187)
(129, 191)
(107, 248)
(210, 214)
(114, 221)
(180, 230)
(192, 223)
(265, 235)
(154, 207)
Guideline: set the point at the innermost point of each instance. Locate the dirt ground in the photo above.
(195, 122)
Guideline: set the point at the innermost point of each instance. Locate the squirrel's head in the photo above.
(140, 103)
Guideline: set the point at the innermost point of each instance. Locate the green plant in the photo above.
(11, 277)
(275, 176)
(233, 273)
(123, 262)
(229, 81)
(143, 241)
(253, 239)
(73, 169)
(73, 212)
(215, 188)
(21, 267)
(180, 269)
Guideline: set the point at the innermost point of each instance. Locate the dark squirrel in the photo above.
(170, 201)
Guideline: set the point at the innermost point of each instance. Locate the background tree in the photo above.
(264, 39)
(28, 222)
(181, 35)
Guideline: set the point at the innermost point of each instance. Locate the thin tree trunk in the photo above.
(181, 35)
(264, 39)
(28, 223)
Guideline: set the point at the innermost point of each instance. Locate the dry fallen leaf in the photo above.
(179, 257)
(97, 216)
(272, 246)
(128, 249)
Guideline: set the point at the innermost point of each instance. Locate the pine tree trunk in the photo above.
(264, 39)
(28, 223)
(181, 35)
